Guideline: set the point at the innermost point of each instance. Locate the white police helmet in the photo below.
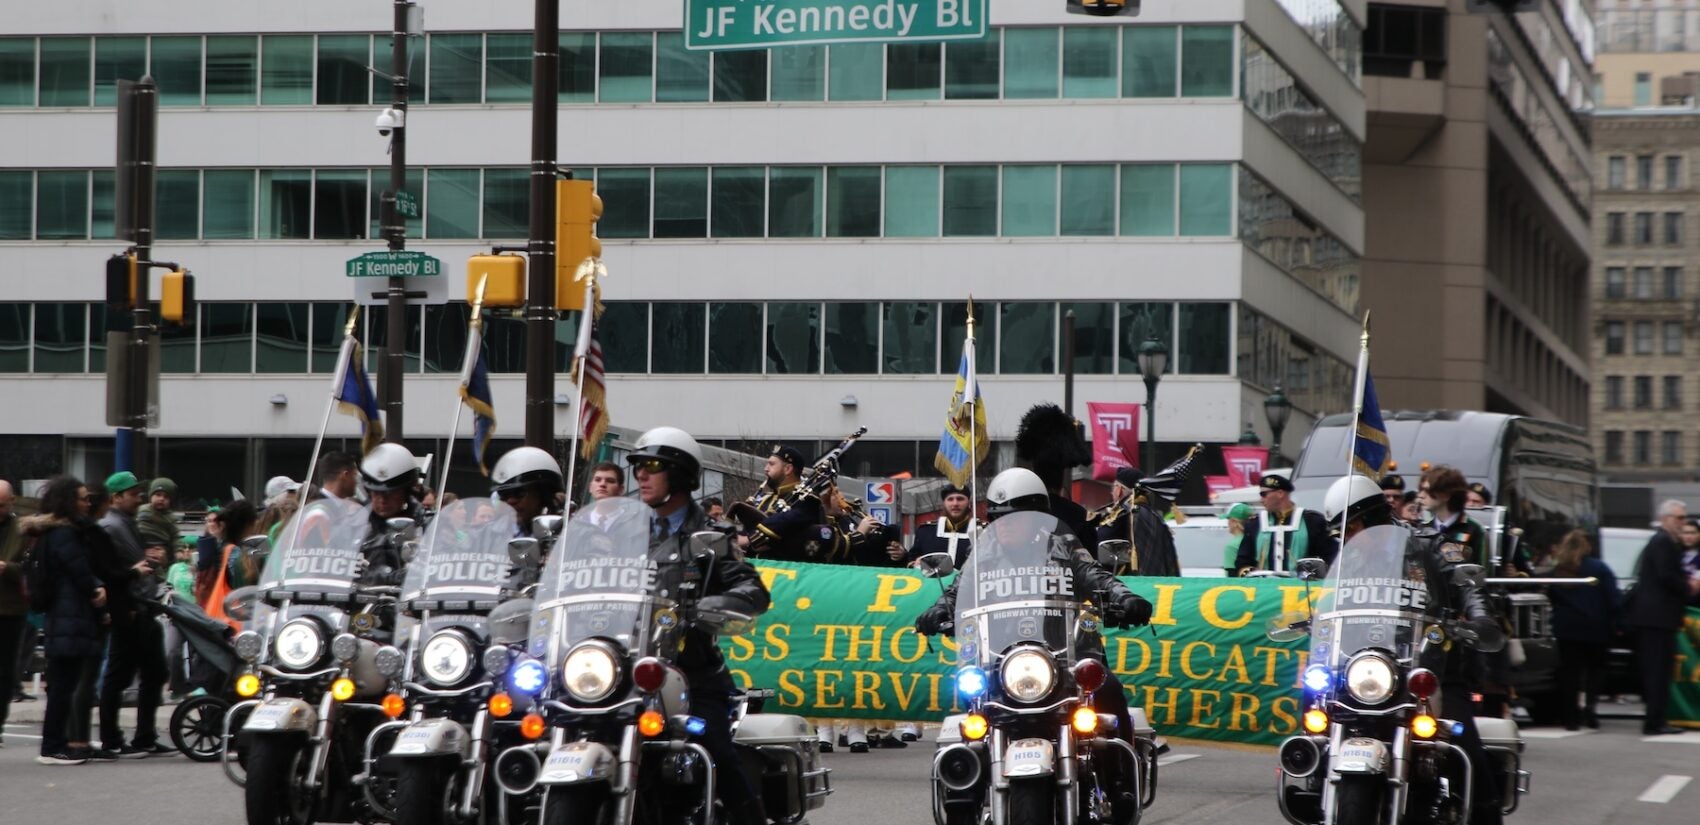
(389, 467)
(674, 448)
(523, 467)
(1016, 489)
(1353, 495)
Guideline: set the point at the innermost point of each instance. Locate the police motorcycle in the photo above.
(1377, 747)
(598, 677)
(457, 615)
(309, 678)
(1032, 748)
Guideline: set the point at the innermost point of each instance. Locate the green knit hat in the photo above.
(163, 485)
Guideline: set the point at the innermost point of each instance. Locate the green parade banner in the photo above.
(1684, 708)
(839, 643)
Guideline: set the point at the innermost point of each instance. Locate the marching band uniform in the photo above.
(1276, 541)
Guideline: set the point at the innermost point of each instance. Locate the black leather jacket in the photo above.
(384, 564)
(731, 583)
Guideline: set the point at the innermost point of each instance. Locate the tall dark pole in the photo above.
(1150, 423)
(395, 231)
(1068, 362)
(138, 119)
(540, 290)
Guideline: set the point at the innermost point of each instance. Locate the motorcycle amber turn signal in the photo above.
(974, 727)
(531, 727)
(1085, 721)
(394, 705)
(1316, 720)
(342, 689)
(1423, 726)
(651, 723)
(501, 705)
(247, 685)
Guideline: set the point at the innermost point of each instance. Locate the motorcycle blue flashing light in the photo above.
(1457, 728)
(527, 677)
(971, 682)
(695, 725)
(1317, 678)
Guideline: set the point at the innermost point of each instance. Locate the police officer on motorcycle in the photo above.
(528, 479)
(668, 465)
(1359, 501)
(388, 474)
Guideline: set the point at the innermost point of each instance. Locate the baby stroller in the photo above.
(209, 662)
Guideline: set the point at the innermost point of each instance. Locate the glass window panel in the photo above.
(852, 338)
(177, 204)
(1207, 61)
(507, 198)
(283, 337)
(799, 72)
(286, 69)
(1089, 61)
(734, 342)
(503, 345)
(912, 201)
(342, 63)
(623, 333)
(456, 65)
(115, 59)
(61, 205)
(676, 335)
(64, 71)
(176, 67)
(445, 336)
(971, 68)
(1094, 337)
(17, 71)
(853, 201)
(339, 204)
(681, 202)
(14, 337)
(228, 211)
(911, 337)
(97, 337)
(375, 202)
(1027, 345)
(177, 344)
(741, 76)
(101, 211)
(383, 90)
(16, 205)
(1206, 199)
(912, 71)
(1089, 200)
(1031, 62)
(1029, 201)
(793, 338)
(233, 64)
(451, 203)
(970, 201)
(625, 203)
(378, 331)
(286, 197)
(61, 333)
(1204, 339)
(576, 75)
(507, 69)
(794, 205)
(955, 333)
(227, 337)
(856, 71)
(329, 321)
(739, 202)
(1148, 199)
(1148, 61)
(1141, 321)
(628, 67)
(680, 75)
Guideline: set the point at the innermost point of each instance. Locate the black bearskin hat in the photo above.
(1050, 445)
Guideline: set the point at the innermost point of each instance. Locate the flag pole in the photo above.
(970, 396)
(337, 378)
(474, 344)
(1357, 413)
(587, 271)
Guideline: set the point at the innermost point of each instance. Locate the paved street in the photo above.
(1614, 776)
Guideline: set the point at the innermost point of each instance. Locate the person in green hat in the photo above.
(158, 525)
(1236, 518)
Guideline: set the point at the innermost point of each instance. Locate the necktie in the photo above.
(661, 529)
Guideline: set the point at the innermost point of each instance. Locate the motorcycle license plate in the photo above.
(569, 765)
(1361, 755)
(1029, 757)
(412, 740)
(267, 717)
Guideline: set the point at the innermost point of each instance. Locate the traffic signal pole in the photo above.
(540, 313)
(138, 118)
(395, 231)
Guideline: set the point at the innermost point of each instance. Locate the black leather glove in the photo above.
(929, 621)
(1136, 611)
(726, 603)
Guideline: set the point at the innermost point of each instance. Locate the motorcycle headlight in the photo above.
(589, 673)
(496, 660)
(446, 658)
(1369, 679)
(388, 662)
(1028, 675)
(345, 647)
(300, 643)
(249, 645)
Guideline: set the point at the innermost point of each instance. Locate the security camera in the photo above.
(390, 120)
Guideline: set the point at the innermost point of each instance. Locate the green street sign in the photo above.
(746, 24)
(394, 265)
(406, 205)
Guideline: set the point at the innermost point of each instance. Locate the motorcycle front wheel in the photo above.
(276, 792)
(1033, 802)
(574, 805)
(424, 792)
(1357, 800)
(197, 728)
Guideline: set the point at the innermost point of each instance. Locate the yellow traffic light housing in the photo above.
(177, 297)
(1103, 8)
(503, 276)
(577, 209)
(121, 274)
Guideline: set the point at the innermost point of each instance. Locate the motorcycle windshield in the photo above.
(1380, 597)
(1016, 588)
(599, 582)
(317, 556)
(463, 563)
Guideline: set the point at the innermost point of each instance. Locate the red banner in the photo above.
(1245, 464)
(1218, 484)
(1115, 437)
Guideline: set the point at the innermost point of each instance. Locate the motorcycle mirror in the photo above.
(409, 551)
(406, 527)
(1288, 627)
(1472, 575)
(256, 544)
(239, 604)
(936, 565)
(709, 545)
(1115, 553)
(1311, 569)
(524, 551)
(1489, 636)
(546, 527)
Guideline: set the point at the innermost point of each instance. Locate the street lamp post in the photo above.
(1249, 437)
(1153, 362)
(1278, 409)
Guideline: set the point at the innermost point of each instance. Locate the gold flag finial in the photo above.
(478, 297)
(970, 314)
(353, 319)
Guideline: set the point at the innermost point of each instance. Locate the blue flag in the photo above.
(355, 397)
(1372, 453)
(475, 391)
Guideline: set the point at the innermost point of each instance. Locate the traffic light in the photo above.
(177, 297)
(1103, 8)
(577, 209)
(503, 277)
(121, 273)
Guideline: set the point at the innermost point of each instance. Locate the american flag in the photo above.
(593, 405)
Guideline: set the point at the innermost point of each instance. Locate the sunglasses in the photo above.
(650, 465)
(511, 495)
(1266, 493)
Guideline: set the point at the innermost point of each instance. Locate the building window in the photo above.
(853, 201)
(1614, 447)
(284, 337)
(342, 77)
(794, 202)
(970, 67)
(115, 59)
(913, 71)
(62, 205)
(227, 337)
(1027, 345)
(681, 202)
(676, 337)
(856, 71)
(1089, 200)
(1643, 88)
(1673, 282)
(734, 338)
(1673, 392)
(1029, 201)
(793, 338)
(1614, 337)
(740, 77)
(627, 62)
(1643, 283)
(1614, 282)
(739, 197)
(1673, 337)
(1643, 447)
(970, 201)
(1143, 321)
(1643, 337)
(1673, 172)
(1206, 198)
(1614, 392)
(1203, 345)
(1644, 172)
(623, 333)
(451, 206)
(17, 72)
(852, 338)
(1089, 62)
(1614, 171)
(1673, 228)
(625, 198)
(1148, 61)
(17, 199)
(1207, 61)
(681, 75)
(60, 336)
(64, 76)
(1398, 36)
(507, 69)
(910, 338)
(1643, 392)
(1670, 448)
(1614, 228)
(576, 78)
(912, 201)
(1643, 228)
(233, 64)
(14, 337)
(1095, 336)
